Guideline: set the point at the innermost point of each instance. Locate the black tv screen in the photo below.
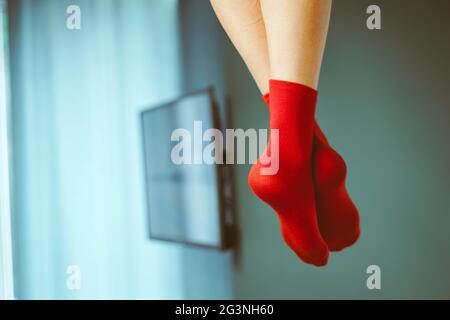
(184, 201)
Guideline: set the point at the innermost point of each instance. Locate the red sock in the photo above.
(290, 192)
(337, 215)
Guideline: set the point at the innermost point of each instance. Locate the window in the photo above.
(6, 267)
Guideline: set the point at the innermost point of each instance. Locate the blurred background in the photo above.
(78, 189)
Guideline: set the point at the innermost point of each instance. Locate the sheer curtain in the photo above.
(78, 178)
(6, 266)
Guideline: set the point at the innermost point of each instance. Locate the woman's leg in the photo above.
(243, 22)
(296, 33)
(294, 30)
(291, 190)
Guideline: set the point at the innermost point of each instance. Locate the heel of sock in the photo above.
(268, 188)
(330, 169)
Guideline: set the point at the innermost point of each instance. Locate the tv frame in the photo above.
(224, 238)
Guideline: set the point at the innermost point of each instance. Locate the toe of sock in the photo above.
(341, 244)
(319, 259)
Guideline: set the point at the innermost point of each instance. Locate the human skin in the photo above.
(282, 40)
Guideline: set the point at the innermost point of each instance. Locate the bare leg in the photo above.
(244, 24)
(296, 33)
(293, 31)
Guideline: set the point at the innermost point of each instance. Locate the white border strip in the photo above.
(6, 260)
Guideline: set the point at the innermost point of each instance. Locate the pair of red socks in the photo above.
(308, 191)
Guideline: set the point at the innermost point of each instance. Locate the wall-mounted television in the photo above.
(185, 202)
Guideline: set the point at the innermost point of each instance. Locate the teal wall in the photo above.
(384, 104)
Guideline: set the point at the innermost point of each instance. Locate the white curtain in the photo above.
(78, 176)
(6, 266)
